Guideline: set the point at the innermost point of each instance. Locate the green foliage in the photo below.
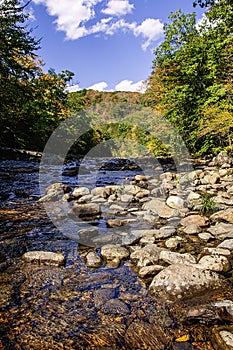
(208, 206)
(191, 83)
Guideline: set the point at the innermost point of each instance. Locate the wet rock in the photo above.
(88, 233)
(143, 335)
(148, 255)
(111, 251)
(89, 209)
(44, 258)
(223, 215)
(150, 270)
(176, 258)
(183, 281)
(226, 244)
(102, 295)
(194, 220)
(115, 307)
(222, 337)
(165, 232)
(211, 313)
(175, 202)
(160, 208)
(93, 260)
(147, 240)
(126, 198)
(218, 263)
(221, 230)
(114, 223)
(129, 239)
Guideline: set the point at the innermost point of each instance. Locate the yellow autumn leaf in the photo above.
(183, 338)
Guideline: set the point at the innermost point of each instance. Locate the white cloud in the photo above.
(129, 85)
(151, 29)
(118, 8)
(73, 16)
(73, 88)
(101, 86)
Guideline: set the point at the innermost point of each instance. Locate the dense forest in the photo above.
(190, 85)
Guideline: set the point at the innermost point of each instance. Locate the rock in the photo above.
(89, 209)
(143, 335)
(103, 192)
(194, 220)
(85, 199)
(176, 258)
(215, 251)
(93, 260)
(143, 193)
(165, 232)
(148, 255)
(80, 191)
(150, 270)
(213, 178)
(205, 236)
(183, 281)
(44, 258)
(126, 198)
(88, 233)
(221, 230)
(131, 189)
(193, 196)
(221, 159)
(175, 202)
(102, 295)
(227, 337)
(111, 251)
(227, 244)
(147, 240)
(115, 307)
(114, 223)
(192, 229)
(214, 312)
(173, 243)
(223, 215)
(159, 207)
(58, 188)
(140, 177)
(218, 263)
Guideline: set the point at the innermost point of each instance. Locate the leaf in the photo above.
(182, 339)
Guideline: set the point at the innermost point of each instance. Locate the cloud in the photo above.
(73, 17)
(101, 86)
(151, 29)
(118, 8)
(73, 88)
(129, 85)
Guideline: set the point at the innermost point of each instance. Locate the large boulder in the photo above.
(183, 281)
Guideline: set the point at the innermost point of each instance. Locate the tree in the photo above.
(191, 82)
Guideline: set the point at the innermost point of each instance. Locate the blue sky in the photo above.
(108, 44)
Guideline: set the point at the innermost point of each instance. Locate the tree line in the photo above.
(190, 85)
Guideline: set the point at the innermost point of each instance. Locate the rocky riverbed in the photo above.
(144, 264)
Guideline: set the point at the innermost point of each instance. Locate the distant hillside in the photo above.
(87, 98)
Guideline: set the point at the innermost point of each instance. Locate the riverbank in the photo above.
(154, 258)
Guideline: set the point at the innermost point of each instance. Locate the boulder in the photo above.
(176, 258)
(175, 202)
(223, 215)
(93, 260)
(194, 220)
(148, 255)
(88, 209)
(159, 207)
(111, 251)
(80, 191)
(218, 263)
(181, 281)
(44, 258)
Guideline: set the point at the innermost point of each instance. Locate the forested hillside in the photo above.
(190, 85)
